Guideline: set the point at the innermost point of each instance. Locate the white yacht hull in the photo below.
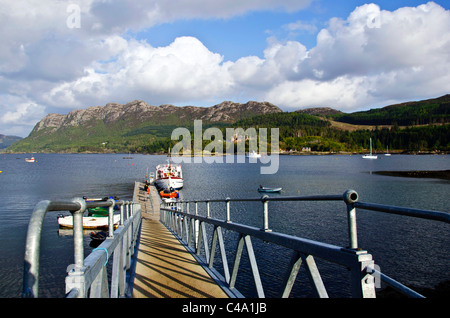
(89, 222)
(167, 183)
(370, 157)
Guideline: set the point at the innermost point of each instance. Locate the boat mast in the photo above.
(169, 157)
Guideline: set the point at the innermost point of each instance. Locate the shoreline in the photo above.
(282, 153)
(433, 174)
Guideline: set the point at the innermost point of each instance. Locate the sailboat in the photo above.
(370, 156)
(387, 152)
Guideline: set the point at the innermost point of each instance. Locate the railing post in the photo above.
(208, 214)
(78, 232)
(266, 213)
(111, 218)
(75, 279)
(121, 212)
(196, 223)
(350, 197)
(227, 200)
(363, 280)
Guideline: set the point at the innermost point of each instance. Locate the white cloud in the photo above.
(281, 62)
(117, 16)
(300, 26)
(183, 70)
(373, 57)
(342, 93)
(19, 114)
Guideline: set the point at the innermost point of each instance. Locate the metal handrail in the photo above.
(91, 279)
(303, 247)
(418, 213)
(76, 207)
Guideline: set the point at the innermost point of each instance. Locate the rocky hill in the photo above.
(137, 112)
(129, 127)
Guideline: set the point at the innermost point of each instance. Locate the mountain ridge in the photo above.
(142, 128)
(140, 112)
(132, 127)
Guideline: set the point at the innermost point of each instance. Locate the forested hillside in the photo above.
(431, 111)
(298, 131)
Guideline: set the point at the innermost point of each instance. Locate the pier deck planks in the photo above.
(164, 268)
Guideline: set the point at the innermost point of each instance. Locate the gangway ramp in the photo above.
(164, 267)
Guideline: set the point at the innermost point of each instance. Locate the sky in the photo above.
(57, 56)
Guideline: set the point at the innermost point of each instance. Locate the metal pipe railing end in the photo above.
(350, 196)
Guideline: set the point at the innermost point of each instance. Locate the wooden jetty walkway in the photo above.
(164, 268)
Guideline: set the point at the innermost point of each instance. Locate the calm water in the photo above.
(413, 251)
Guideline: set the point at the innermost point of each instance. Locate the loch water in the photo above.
(411, 250)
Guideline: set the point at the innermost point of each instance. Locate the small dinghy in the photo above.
(169, 193)
(270, 190)
(99, 236)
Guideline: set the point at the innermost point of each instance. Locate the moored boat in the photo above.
(32, 159)
(387, 154)
(371, 156)
(169, 176)
(89, 222)
(169, 194)
(253, 154)
(98, 236)
(267, 189)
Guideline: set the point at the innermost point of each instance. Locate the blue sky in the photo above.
(349, 55)
(247, 34)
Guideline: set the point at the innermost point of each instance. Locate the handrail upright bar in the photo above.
(111, 218)
(121, 204)
(78, 233)
(266, 213)
(227, 200)
(350, 198)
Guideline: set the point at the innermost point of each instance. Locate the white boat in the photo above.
(169, 176)
(30, 159)
(89, 222)
(387, 154)
(267, 189)
(253, 154)
(370, 156)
